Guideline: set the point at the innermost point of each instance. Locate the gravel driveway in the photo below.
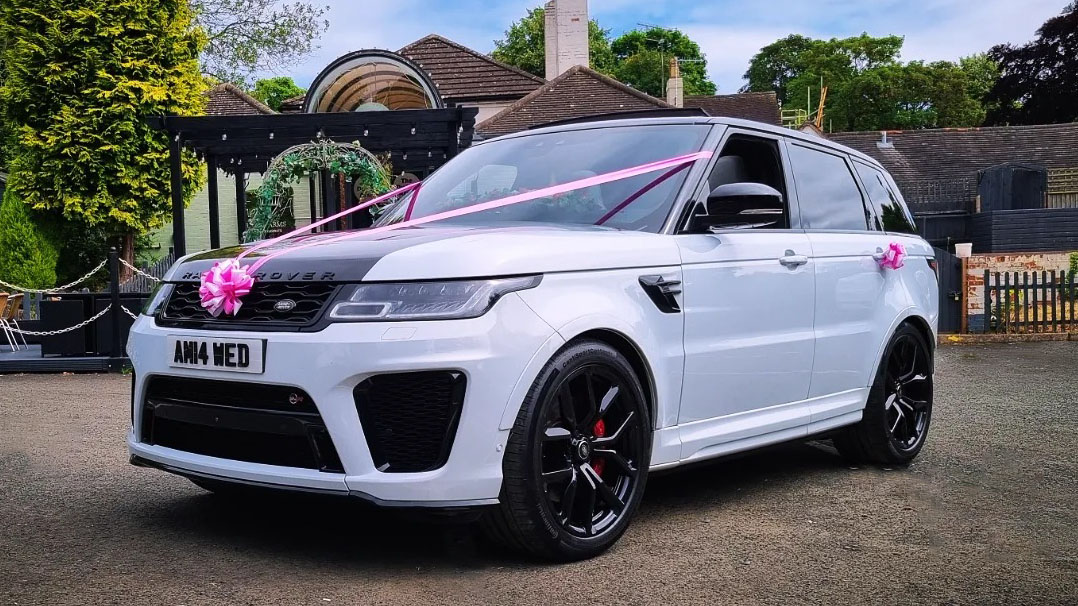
(987, 515)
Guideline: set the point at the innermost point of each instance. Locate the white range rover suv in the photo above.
(536, 361)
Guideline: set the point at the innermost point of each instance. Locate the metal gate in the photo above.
(950, 279)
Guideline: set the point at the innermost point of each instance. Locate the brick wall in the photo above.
(1009, 262)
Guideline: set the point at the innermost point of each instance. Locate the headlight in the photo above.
(445, 300)
(156, 299)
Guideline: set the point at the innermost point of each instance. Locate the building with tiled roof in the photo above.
(762, 107)
(948, 154)
(580, 91)
(227, 99)
(462, 76)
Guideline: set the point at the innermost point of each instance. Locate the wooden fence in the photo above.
(1062, 188)
(1028, 302)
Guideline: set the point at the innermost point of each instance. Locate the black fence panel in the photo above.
(950, 294)
(1025, 230)
(1031, 302)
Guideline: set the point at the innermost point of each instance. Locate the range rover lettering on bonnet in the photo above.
(277, 276)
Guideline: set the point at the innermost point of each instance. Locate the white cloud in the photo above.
(730, 32)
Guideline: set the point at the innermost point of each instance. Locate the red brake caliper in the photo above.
(597, 463)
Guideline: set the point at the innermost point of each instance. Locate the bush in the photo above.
(27, 253)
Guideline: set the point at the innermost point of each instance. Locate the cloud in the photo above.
(730, 32)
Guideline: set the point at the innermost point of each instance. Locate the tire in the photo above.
(576, 461)
(895, 423)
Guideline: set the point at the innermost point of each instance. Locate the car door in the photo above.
(853, 294)
(748, 305)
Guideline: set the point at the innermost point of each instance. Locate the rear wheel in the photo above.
(899, 409)
(576, 460)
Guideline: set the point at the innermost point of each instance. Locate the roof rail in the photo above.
(675, 112)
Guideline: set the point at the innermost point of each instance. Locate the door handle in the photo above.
(792, 260)
(878, 255)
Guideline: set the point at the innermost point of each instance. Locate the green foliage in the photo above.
(1038, 81)
(79, 81)
(246, 36)
(643, 57)
(272, 91)
(272, 213)
(524, 46)
(868, 87)
(27, 253)
(1074, 262)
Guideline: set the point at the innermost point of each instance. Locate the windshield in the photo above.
(521, 164)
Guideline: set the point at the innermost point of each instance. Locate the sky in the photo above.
(729, 32)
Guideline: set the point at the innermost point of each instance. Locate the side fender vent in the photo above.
(663, 292)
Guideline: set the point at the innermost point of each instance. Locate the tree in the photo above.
(27, 252)
(524, 45)
(1038, 81)
(79, 82)
(868, 87)
(246, 36)
(272, 91)
(642, 61)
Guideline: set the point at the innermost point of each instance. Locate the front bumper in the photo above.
(495, 352)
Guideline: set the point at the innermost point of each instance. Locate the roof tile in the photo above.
(228, 100)
(461, 73)
(579, 92)
(762, 107)
(953, 154)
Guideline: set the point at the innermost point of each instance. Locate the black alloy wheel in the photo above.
(895, 422)
(909, 393)
(590, 451)
(576, 461)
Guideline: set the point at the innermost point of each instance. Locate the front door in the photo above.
(748, 304)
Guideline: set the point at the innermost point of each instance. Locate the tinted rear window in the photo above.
(889, 209)
(826, 191)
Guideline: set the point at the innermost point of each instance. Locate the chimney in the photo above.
(675, 86)
(565, 35)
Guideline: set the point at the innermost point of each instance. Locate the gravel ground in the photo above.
(987, 515)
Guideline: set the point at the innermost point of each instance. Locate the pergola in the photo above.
(417, 140)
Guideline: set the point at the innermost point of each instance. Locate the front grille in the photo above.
(184, 306)
(410, 419)
(270, 424)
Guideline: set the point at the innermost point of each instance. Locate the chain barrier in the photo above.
(50, 333)
(49, 291)
(140, 272)
(131, 314)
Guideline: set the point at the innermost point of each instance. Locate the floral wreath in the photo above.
(370, 175)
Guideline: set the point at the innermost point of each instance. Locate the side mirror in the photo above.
(740, 206)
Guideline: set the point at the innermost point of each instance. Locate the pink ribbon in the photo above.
(892, 257)
(223, 286)
(216, 282)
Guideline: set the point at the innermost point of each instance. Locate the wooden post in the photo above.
(116, 314)
(241, 203)
(179, 235)
(313, 196)
(215, 207)
(964, 319)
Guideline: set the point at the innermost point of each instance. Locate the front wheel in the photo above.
(577, 458)
(899, 409)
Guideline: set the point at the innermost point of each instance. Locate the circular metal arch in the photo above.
(371, 79)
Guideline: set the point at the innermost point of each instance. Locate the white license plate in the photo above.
(229, 355)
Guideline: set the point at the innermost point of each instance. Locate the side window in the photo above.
(827, 194)
(889, 209)
(747, 159)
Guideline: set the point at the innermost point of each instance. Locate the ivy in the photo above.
(359, 166)
(79, 80)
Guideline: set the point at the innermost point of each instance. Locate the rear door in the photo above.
(748, 305)
(854, 298)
